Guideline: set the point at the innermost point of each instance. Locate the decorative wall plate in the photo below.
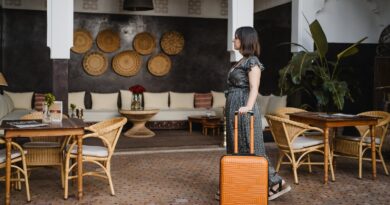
(82, 41)
(159, 64)
(127, 63)
(95, 63)
(172, 42)
(108, 40)
(144, 43)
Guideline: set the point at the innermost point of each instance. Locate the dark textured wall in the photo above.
(359, 74)
(26, 59)
(274, 27)
(201, 66)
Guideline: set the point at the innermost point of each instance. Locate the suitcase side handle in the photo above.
(252, 138)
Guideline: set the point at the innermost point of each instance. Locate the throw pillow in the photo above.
(10, 104)
(276, 102)
(262, 101)
(104, 101)
(181, 100)
(20, 100)
(156, 100)
(203, 100)
(39, 99)
(126, 97)
(76, 98)
(219, 99)
(3, 106)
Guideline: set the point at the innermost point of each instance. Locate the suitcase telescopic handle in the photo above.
(252, 138)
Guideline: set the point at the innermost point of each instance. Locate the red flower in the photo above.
(137, 89)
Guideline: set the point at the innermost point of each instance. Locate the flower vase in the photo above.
(73, 115)
(135, 104)
(140, 101)
(46, 114)
(138, 104)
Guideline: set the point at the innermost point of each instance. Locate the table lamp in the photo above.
(3, 82)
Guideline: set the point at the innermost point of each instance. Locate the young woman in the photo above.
(243, 86)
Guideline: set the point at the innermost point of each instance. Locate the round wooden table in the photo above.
(139, 118)
(202, 119)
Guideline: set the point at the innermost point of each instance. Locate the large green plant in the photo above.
(313, 73)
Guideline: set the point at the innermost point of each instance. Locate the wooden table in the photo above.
(201, 119)
(328, 121)
(68, 127)
(139, 119)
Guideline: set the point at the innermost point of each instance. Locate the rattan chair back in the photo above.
(285, 131)
(284, 111)
(109, 129)
(380, 129)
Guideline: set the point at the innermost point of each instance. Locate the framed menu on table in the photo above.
(56, 111)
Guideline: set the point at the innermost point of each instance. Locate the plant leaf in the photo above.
(339, 90)
(352, 50)
(294, 44)
(319, 38)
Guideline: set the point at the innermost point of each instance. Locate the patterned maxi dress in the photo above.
(236, 97)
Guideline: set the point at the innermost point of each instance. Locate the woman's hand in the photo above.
(244, 110)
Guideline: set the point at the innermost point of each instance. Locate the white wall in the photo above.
(182, 8)
(261, 5)
(240, 14)
(343, 21)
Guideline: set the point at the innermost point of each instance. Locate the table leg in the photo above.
(190, 125)
(372, 132)
(8, 171)
(139, 130)
(326, 154)
(80, 166)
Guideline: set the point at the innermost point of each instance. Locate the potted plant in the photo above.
(49, 100)
(313, 73)
(72, 107)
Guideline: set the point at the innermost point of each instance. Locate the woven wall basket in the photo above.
(108, 40)
(172, 42)
(82, 41)
(95, 63)
(159, 65)
(144, 43)
(127, 63)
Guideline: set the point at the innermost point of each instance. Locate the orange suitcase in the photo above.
(243, 178)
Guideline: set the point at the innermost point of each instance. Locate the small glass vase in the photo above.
(73, 115)
(136, 102)
(46, 114)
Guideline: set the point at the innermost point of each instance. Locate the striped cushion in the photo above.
(39, 98)
(203, 100)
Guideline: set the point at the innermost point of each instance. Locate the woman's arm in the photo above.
(254, 83)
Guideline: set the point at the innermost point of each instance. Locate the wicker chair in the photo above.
(44, 151)
(356, 146)
(287, 135)
(108, 132)
(17, 155)
(284, 111)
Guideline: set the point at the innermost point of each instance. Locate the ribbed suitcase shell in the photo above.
(244, 179)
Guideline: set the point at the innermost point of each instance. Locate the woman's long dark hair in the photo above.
(249, 41)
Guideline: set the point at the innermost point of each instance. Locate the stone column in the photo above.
(60, 82)
(240, 14)
(60, 40)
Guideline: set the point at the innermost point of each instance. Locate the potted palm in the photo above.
(313, 73)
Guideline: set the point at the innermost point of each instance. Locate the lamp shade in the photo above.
(2, 80)
(138, 5)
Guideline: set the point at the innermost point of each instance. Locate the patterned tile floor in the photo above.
(192, 178)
